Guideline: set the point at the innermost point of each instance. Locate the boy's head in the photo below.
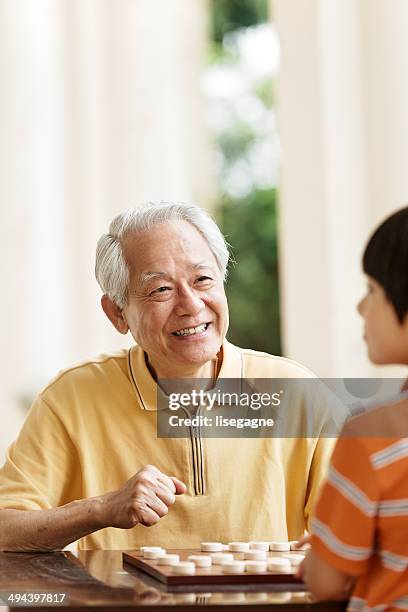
(385, 306)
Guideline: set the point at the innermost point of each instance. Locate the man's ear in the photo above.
(114, 314)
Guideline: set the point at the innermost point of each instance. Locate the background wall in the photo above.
(100, 110)
(343, 119)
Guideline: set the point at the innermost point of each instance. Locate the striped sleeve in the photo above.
(344, 522)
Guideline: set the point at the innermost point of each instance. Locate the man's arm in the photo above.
(45, 530)
(144, 499)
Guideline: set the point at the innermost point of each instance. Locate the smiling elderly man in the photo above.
(88, 464)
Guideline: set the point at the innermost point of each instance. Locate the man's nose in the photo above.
(189, 302)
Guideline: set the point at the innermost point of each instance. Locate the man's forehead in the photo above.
(166, 271)
(170, 237)
(166, 251)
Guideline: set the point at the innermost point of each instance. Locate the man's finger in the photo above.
(158, 506)
(180, 486)
(165, 495)
(148, 517)
(167, 482)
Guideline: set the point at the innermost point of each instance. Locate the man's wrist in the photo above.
(99, 509)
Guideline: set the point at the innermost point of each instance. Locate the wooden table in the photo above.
(96, 579)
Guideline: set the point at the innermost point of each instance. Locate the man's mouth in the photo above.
(191, 331)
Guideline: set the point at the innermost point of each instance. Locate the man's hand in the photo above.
(144, 499)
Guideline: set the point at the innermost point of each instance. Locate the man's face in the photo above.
(177, 309)
(386, 337)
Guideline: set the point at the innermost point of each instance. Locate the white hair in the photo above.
(111, 270)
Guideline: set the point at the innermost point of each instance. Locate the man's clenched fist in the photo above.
(145, 498)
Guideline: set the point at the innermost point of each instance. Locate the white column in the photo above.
(331, 133)
(32, 195)
(385, 56)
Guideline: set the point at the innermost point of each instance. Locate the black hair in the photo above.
(385, 259)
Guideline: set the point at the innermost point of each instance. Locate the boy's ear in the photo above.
(115, 314)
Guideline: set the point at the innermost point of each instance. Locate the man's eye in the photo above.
(161, 290)
(204, 278)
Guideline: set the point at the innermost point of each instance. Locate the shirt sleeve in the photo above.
(41, 469)
(317, 475)
(343, 526)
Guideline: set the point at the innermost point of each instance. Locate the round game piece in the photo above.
(154, 554)
(279, 546)
(239, 556)
(233, 567)
(238, 546)
(211, 546)
(201, 560)
(218, 558)
(294, 558)
(255, 567)
(294, 544)
(168, 560)
(255, 555)
(259, 545)
(143, 548)
(184, 568)
(278, 564)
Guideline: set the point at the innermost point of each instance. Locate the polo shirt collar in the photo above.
(146, 387)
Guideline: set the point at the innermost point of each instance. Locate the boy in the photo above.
(360, 530)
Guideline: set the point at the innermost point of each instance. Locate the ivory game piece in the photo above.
(255, 555)
(168, 560)
(211, 546)
(279, 546)
(201, 560)
(255, 567)
(259, 546)
(239, 547)
(233, 567)
(218, 558)
(184, 568)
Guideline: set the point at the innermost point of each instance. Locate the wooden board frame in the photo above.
(206, 576)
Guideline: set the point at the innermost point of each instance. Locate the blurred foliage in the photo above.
(249, 223)
(229, 15)
(265, 93)
(252, 287)
(234, 143)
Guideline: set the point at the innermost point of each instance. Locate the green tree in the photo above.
(248, 221)
(252, 287)
(230, 15)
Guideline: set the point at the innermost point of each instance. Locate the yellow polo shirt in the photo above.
(94, 426)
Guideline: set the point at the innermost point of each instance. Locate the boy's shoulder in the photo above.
(388, 420)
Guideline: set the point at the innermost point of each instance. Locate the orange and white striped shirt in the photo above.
(361, 520)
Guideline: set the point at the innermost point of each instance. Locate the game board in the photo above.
(206, 576)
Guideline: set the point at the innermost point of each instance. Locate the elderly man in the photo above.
(88, 464)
